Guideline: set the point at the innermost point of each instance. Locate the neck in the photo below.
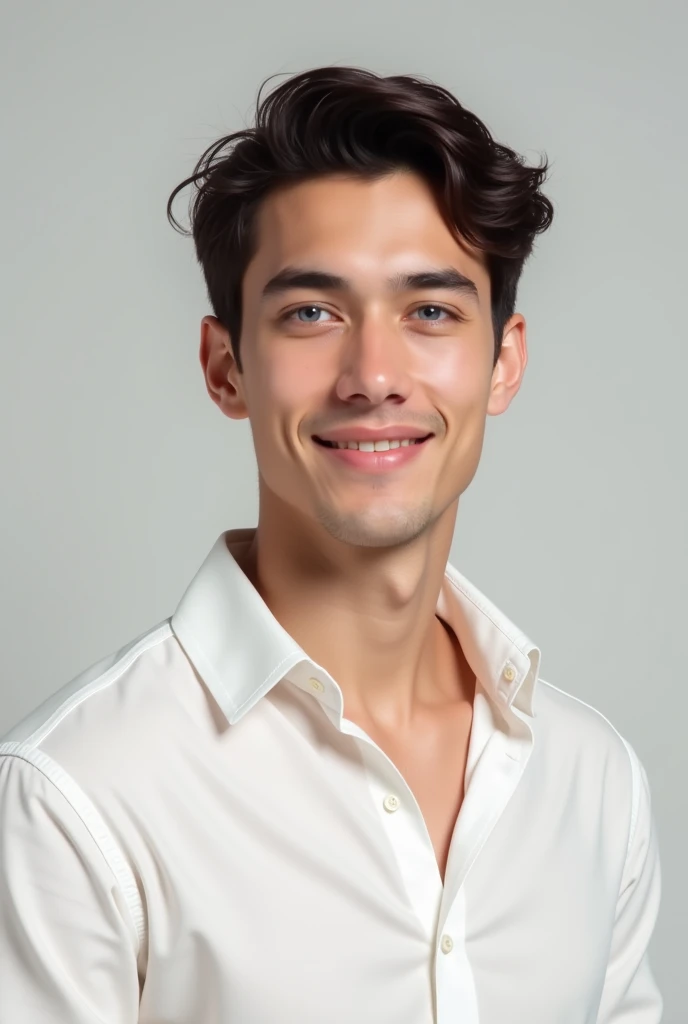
(367, 615)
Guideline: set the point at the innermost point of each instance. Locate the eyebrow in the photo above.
(447, 278)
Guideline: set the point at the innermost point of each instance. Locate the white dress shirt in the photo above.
(192, 832)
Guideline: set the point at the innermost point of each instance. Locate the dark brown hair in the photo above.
(349, 120)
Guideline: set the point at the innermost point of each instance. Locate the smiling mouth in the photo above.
(372, 446)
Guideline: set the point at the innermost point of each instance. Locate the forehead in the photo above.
(361, 229)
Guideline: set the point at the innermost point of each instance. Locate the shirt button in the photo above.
(447, 944)
(509, 673)
(316, 684)
(391, 803)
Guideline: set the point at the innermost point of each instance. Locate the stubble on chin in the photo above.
(363, 529)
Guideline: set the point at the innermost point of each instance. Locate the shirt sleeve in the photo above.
(67, 946)
(630, 994)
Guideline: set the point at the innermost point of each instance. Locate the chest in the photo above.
(277, 868)
(432, 761)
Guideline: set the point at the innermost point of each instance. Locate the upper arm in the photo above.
(67, 943)
(630, 994)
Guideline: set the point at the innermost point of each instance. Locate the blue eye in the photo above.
(309, 309)
(295, 314)
(436, 309)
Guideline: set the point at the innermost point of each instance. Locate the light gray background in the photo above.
(118, 471)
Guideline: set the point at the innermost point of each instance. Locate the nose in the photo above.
(375, 365)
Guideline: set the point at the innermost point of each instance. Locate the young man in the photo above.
(332, 787)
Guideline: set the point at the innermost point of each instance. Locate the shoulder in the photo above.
(65, 771)
(585, 748)
(573, 721)
(109, 674)
(110, 716)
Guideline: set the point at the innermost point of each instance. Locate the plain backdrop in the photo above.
(118, 472)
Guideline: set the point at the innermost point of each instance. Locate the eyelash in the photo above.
(425, 305)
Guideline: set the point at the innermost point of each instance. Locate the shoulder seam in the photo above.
(632, 758)
(149, 640)
(572, 696)
(90, 817)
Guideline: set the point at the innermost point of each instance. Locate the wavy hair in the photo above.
(334, 120)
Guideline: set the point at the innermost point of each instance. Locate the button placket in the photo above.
(402, 823)
(454, 980)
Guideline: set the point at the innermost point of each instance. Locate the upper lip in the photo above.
(372, 433)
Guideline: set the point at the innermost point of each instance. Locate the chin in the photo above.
(385, 528)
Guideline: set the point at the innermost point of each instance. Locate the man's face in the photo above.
(411, 360)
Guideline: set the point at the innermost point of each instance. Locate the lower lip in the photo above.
(375, 462)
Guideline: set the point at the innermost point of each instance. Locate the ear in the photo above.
(223, 379)
(510, 366)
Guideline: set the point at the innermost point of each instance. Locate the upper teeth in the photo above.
(374, 446)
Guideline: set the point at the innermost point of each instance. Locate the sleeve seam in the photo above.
(92, 821)
(635, 797)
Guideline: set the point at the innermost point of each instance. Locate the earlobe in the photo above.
(222, 378)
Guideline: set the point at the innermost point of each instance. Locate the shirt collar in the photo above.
(241, 651)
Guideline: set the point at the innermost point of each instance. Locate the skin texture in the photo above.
(352, 563)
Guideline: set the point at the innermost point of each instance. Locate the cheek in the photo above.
(287, 378)
(459, 382)
(459, 377)
(281, 388)
(295, 378)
